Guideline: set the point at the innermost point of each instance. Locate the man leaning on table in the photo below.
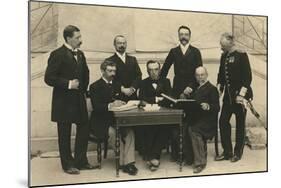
(106, 94)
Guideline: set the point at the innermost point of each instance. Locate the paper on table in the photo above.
(133, 104)
(176, 100)
(151, 107)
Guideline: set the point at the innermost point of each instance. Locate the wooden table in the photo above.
(138, 117)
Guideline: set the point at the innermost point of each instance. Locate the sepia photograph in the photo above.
(120, 93)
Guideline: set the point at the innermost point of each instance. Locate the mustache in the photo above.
(184, 39)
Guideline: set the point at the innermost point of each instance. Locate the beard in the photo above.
(121, 49)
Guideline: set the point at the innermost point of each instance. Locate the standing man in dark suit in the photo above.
(155, 137)
(234, 78)
(128, 74)
(67, 72)
(128, 70)
(106, 94)
(185, 58)
(203, 118)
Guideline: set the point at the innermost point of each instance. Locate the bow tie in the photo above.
(154, 81)
(74, 53)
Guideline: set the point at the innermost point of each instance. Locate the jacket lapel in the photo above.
(187, 51)
(159, 87)
(70, 55)
(118, 59)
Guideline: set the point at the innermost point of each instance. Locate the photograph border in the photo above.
(145, 8)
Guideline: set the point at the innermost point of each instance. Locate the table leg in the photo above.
(181, 145)
(117, 150)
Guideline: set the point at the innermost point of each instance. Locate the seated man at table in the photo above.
(202, 119)
(154, 136)
(106, 94)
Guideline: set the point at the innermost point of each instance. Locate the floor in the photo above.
(46, 169)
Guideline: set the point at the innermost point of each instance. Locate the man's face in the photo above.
(184, 36)
(153, 70)
(109, 72)
(75, 41)
(226, 44)
(120, 44)
(201, 75)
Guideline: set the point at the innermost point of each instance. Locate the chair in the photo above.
(94, 139)
(99, 143)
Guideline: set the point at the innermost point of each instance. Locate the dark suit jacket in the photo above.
(67, 105)
(184, 68)
(234, 73)
(128, 73)
(205, 122)
(148, 93)
(101, 95)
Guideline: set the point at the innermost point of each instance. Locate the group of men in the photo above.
(67, 72)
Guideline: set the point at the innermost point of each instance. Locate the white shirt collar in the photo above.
(122, 57)
(70, 47)
(184, 48)
(202, 84)
(106, 81)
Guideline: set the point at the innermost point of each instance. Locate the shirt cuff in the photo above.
(134, 90)
(190, 88)
(156, 99)
(69, 84)
(243, 91)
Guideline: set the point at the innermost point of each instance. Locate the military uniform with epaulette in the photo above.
(234, 78)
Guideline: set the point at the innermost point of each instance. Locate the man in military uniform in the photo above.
(234, 78)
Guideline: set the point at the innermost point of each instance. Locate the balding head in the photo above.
(201, 75)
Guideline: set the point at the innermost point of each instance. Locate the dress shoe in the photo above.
(88, 167)
(130, 169)
(235, 158)
(153, 165)
(223, 157)
(198, 169)
(72, 171)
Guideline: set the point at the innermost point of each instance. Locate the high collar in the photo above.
(184, 48)
(106, 81)
(70, 47)
(120, 55)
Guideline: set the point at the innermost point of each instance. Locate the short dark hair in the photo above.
(107, 63)
(69, 30)
(151, 62)
(184, 27)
